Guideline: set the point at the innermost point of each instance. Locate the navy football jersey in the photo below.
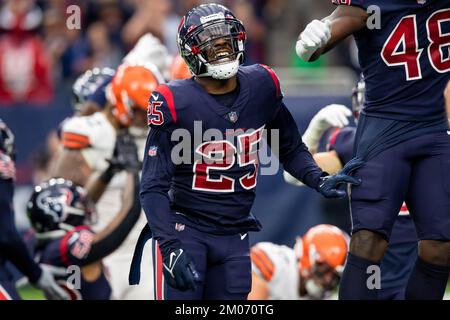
(71, 250)
(213, 188)
(406, 62)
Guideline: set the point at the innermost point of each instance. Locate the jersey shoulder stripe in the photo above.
(263, 263)
(274, 77)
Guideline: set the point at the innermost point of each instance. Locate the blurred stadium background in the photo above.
(40, 57)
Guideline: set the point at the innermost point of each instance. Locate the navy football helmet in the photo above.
(57, 206)
(88, 83)
(358, 97)
(211, 41)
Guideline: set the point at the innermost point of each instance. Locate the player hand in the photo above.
(48, 284)
(316, 34)
(333, 115)
(179, 271)
(125, 154)
(328, 185)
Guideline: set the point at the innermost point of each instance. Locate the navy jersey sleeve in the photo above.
(157, 172)
(161, 113)
(12, 247)
(341, 141)
(76, 245)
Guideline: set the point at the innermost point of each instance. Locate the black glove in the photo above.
(125, 157)
(328, 185)
(179, 271)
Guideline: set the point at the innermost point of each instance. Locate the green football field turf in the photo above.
(30, 293)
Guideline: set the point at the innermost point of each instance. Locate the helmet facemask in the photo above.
(216, 50)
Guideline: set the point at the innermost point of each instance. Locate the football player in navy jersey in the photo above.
(332, 121)
(402, 133)
(12, 247)
(61, 213)
(199, 208)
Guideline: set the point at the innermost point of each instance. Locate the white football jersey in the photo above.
(278, 266)
(95, 137)
(100, 138)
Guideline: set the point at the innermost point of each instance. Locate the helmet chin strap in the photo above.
(222, 71)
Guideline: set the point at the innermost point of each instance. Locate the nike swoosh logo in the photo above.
(243, 236)
(155, 97)
(173, 254)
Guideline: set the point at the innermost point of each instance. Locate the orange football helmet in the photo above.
(322, 244)
(179, 69)
(130, 89)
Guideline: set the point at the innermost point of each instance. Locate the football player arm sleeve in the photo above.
(157, 172)
(11, 244)
(110, 238)
(291, 150)
(344, 21)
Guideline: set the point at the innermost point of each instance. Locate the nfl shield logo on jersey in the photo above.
(421, 1)
(233, 116)
(152, 151)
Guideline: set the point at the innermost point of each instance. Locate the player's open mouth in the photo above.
(222, 57)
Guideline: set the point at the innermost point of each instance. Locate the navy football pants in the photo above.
(223, 263)
(417, 170)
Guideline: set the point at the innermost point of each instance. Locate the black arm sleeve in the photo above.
(114, 239)
(292, 152)
(12, 246)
